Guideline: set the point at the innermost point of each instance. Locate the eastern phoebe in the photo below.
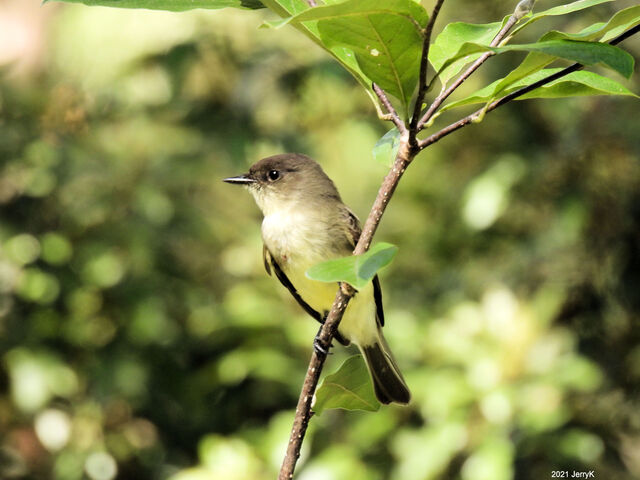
(306, 223)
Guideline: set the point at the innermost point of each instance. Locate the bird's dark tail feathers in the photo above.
(388, 382)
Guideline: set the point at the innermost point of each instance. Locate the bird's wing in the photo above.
(269, 264)
(353, 235)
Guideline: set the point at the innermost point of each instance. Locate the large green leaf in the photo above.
(535, 61)
(561, 10)
(356, 270)
(617, 24)
(622, 21)
(349, 388)
(603, 31)
(290, 8)
(572, 85)
(384, 36)
(587, 53)
(172, 5)
(448, 43)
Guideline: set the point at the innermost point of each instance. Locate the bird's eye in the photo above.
(273, 175)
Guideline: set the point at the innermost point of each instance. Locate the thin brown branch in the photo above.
(303, 409)
(392, 114)
(422, 144)
(343, 296)
(467, 73)
(424, 65)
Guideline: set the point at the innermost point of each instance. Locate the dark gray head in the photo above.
(286, 179)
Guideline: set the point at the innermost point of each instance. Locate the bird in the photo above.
(305, 223)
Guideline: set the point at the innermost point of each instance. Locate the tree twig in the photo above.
(422, 144)
(392, 114)
(303, 409)
(343, 296)
(467, 73)
(424, 65)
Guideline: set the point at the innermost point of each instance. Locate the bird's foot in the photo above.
(320, 346)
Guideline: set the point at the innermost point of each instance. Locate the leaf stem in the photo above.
(424, 65)
(392, 114)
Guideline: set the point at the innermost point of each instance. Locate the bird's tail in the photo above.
(388, 382)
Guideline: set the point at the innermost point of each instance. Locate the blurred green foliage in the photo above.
(141, 338)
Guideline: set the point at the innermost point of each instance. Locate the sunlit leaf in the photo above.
(349, 388)
(561, 10)
(290, 8)
(536, 61)
(171, 5)
(449, 41)
(385, 38)
(356, 270)
(587, 53)
(618, 23)
(575, 84)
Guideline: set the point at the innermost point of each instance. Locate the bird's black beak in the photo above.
(244, 179)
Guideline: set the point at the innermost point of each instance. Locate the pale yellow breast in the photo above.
(359, 321)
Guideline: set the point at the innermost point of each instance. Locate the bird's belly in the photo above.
(319, 295)
(359, 321)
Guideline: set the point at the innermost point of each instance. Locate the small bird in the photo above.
(306, 223)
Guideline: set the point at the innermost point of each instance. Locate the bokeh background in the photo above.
(140, 337)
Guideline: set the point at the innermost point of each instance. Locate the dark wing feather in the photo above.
(377, 295)
(266, 259)
(354, 234)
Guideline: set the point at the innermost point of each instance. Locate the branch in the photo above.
(343, 296)
(303, 409)
(422, 144)
(474, 66)
(424, 65)
(392, 115)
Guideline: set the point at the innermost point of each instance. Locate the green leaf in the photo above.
(172, 5)
(535, 61)
(578, 84)
(448, 43)
(386, 149)
(619, 23)
(385, 39)
(574, 84)
(356, 270)
(349, 388)
(344, 56)
(561, 10)
(587, 53)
